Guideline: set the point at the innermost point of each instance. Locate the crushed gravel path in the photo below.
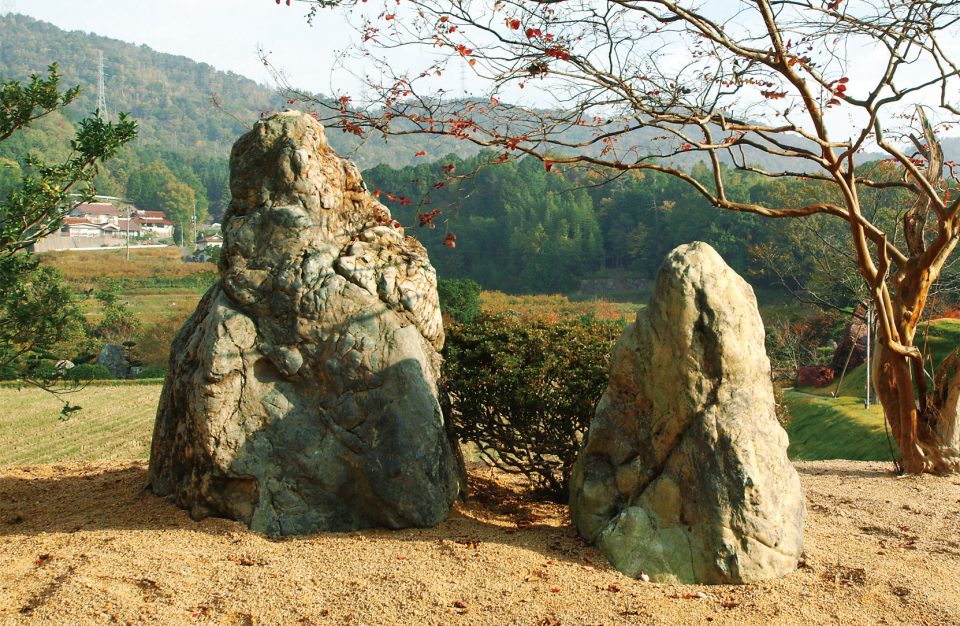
(83, 543)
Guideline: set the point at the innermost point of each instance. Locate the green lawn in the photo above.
(116, 422)
(835, 428)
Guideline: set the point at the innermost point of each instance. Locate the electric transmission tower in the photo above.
(101, 92)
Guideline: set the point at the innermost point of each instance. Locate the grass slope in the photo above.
(825, 427)
(835, 428)
(116, 423)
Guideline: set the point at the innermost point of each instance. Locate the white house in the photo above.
(209, 241)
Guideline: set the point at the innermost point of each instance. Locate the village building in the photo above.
(96, 212)
(80, 227)
(209, 241)
(155, 222)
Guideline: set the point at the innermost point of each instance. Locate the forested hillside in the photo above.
(521, 228)
(169, 96)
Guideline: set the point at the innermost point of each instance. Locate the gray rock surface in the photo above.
(684, 473)
(302, 393)
(114, 358)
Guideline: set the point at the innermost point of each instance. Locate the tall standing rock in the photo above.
(684, 473)
(302, 393)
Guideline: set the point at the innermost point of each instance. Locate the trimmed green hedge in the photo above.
(524, 392)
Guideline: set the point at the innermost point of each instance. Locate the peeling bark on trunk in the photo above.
(925, 424)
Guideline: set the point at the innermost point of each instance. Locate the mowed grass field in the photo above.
(116, 422)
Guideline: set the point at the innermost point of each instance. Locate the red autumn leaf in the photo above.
(447, 169)
(533, 32)
(843, 80)
(554, 589)
(547, 164)
(421, 153)
(841, 88)
(450, 240)
(460, 604)
(513, 24)
(376, 193)
(444, 18)
(388, 16)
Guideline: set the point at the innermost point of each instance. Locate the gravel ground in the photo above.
(83, 543)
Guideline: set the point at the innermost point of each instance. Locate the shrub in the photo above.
(152, 372)
(524, 391)
(460, 299)
(89, 371)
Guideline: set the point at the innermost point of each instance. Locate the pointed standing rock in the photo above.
(302, 393)
(684, 473)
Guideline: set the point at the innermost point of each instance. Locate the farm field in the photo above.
(116, 422)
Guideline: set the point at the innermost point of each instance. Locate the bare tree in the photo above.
(790, 89)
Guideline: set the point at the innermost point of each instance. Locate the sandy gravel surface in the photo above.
(83, 544)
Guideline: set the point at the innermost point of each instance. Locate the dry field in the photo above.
(84, 267)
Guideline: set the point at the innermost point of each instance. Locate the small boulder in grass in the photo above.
(815, 376)
(684, 476)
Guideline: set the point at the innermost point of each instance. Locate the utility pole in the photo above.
(194, 225)
(128, 233)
